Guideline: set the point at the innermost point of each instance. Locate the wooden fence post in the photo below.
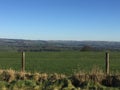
(107, 67)
(23, 61)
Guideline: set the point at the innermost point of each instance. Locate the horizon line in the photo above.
(60, 40)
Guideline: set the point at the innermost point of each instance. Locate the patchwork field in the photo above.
(66, 62)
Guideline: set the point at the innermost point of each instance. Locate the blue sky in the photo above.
(60, 19)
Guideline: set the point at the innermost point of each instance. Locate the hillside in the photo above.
(54, 45)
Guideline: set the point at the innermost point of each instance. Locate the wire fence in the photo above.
(59, 62)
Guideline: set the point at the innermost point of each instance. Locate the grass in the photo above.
(66, 62)
(14, 80)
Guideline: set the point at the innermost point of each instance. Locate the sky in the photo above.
(60, 19)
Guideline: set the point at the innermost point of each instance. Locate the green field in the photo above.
(66, 62)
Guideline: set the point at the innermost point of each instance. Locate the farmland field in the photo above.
(66, 62)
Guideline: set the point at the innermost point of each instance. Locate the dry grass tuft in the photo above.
(36, 76)
(7, 75)
(20, 75)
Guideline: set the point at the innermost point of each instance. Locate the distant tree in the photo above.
(87, 48)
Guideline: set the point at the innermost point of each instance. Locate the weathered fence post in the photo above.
(23, 61)
(107, 66)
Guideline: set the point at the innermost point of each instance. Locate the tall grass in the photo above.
(93, 80)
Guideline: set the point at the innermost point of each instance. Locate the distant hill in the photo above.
(54, 45)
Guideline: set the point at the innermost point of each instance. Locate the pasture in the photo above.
(66, 62)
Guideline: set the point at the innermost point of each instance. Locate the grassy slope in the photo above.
(59, 62)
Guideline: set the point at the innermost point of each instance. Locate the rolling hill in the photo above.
(54, 45)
